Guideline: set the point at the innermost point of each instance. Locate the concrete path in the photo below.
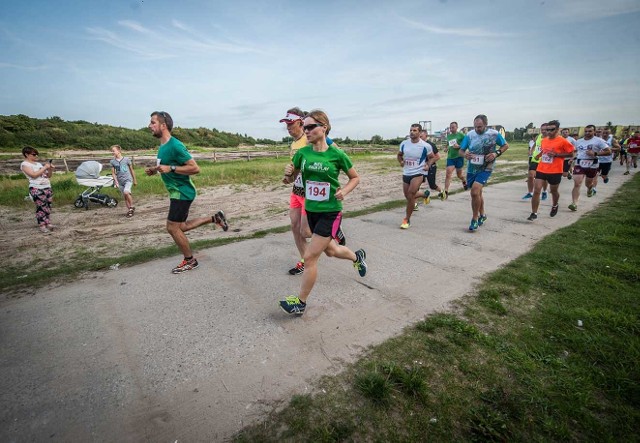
(139, 354)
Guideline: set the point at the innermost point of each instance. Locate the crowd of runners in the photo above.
(315, 203)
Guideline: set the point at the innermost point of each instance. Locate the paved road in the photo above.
(140, 354)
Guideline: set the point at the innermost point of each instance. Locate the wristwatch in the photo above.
(173, 168)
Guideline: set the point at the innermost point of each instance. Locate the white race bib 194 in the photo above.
(546, 158)
(477, 159)
(317, 191)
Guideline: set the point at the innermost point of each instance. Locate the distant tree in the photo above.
(377, 140)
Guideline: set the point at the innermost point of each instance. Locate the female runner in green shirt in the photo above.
(320, 165)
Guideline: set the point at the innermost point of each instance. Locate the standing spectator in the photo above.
(39, 186)
(124, 176)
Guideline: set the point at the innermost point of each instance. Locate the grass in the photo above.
(511, 362)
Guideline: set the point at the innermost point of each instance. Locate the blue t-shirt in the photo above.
(481, 145)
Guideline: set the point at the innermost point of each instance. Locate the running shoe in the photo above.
(185, 265)
(554, 210)
(569, 176)
(532, 217)
(482, 219)
(405, 224)
(573, 207)
(415, 206)
(527, 196)
(44, 230)
(590, 192)
(292, 305)
(220, 220)
(606, 180)
(297, 269)
(340, 238)
(626, 173)
(594, 191)
(442, 196)
(464, 185)
(446, 195)
(474, 225)
(427, 198)
(544, 195)
(360, 264)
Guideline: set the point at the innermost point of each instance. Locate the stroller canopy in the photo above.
(89, 169)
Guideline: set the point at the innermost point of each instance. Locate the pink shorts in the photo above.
(297, 202)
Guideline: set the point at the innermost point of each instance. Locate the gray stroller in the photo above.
(88, 174)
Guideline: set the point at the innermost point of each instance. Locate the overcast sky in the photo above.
(375, 67)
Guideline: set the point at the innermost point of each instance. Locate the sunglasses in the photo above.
(312, 126)
(551, 129)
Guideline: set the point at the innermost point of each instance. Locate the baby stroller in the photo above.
(88, 174)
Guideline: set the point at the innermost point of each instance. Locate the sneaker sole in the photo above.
(176, 271)
(223, 224)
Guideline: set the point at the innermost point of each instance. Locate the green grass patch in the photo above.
(512, 362)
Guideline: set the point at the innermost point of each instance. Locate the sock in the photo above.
(189, 258)
(302, 261)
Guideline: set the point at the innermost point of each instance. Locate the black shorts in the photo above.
(566, 166)
(532, 165)
(324, 224)
(604, 168)
(552, 179)
(178, 210)
(407, 178)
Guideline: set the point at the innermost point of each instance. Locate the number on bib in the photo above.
(298, 181)
(586, 163)
(453, 142)
(477, 159)
(317, 191)
(546, 158)
(410, 163)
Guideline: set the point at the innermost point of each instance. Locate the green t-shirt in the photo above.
(536, 149)
(320, 172)
(454, 152)
(180, 186)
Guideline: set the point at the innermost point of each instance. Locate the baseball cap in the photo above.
(290, 118)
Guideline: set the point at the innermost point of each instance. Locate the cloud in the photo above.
(588, 10)
(460, 32)
(144, 41)
(22, 67)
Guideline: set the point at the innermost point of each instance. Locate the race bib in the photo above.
(317, 191)
(298, 181)
(410, 163)
(453, 143)
(546, 158)
(477, 159)
(585, 163)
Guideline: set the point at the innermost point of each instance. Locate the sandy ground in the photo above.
(139, 354)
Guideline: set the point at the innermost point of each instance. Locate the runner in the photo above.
(298, 216)
(567, 167)
(605, 161)
(413, 156)
(623, 148)
(533, 164)
(454, 160)
(554, 150)
(479, 148)
(633, 151)
(585, 169)
(320, 165)
(432, 167)
(176, 166)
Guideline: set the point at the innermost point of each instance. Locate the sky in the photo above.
(373, 66)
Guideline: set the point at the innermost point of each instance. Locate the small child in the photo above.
(123, 176)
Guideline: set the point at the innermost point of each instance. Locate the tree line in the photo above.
(54, 132)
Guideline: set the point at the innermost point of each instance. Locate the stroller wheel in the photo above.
(79, 203)
(112, 203)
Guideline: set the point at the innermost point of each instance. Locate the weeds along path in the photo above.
(105, 232)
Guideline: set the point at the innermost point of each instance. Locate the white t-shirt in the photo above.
(41, 182)
(596, 144)
(415, 156)
(607, 158)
